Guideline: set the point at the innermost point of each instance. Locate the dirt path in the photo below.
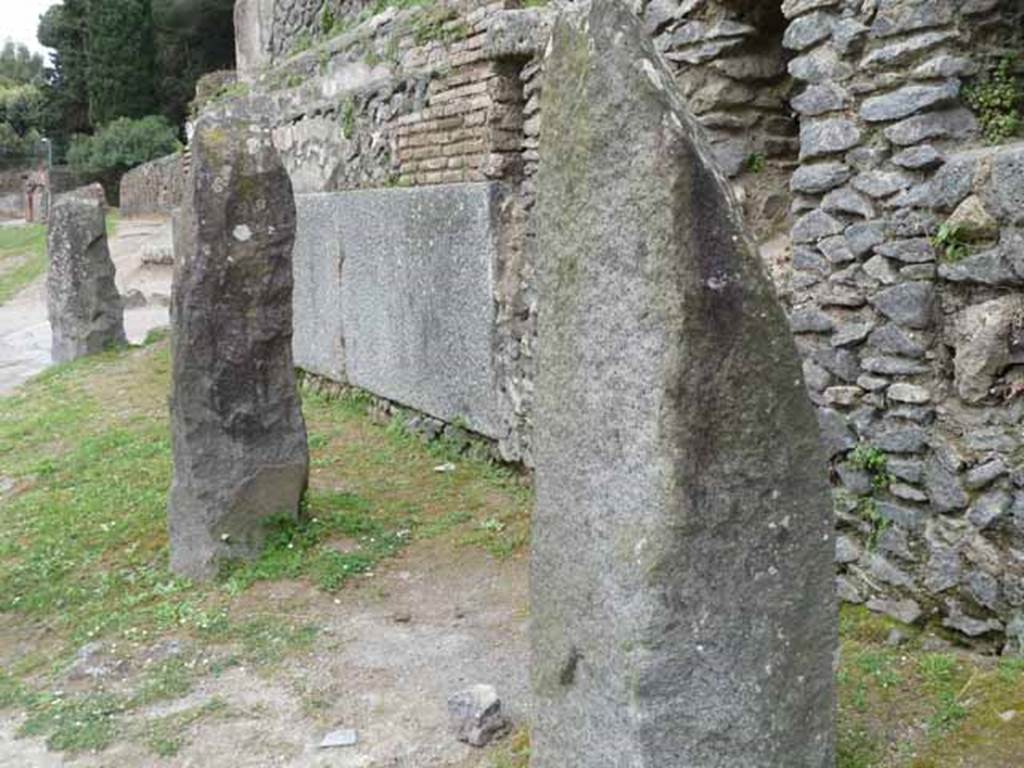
(390, 651)
(25, 331)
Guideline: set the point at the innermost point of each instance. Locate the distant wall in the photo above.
(12, 195)
(155, 187)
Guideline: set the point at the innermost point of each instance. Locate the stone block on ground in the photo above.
(683, 606)
(475, 716)
(85, 310)
(239, 440)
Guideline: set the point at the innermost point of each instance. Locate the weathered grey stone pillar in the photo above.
(254, 21)
(240, 454)
(85, 310)
(683, 609)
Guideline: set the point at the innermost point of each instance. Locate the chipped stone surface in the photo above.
(647, 483)
(983, 344)
(239, 440)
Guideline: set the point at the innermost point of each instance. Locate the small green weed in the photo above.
(873, 461)
(266, 641)
(348, 118)
(857, 748)
(302, 44)
(165, 736)
(996, 98)
(168, 680)
(434, 25)
(756, 162)
(950, 242)
(327, 21)
(513, 752)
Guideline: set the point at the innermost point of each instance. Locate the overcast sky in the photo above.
(19, 20)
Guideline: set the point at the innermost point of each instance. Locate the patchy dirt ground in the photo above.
(388, 653)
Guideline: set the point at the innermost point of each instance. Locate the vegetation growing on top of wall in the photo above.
(331, 26)
(997, 98)
(433, 25)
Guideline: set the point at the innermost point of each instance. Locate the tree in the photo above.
(120, 59)
(129, 58)
(63, 28)
(15, 145)
(193, 37)
(22, 107)
(123, 144)
(19, 66)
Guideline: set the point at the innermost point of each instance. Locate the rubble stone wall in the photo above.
(889, 221)
(153, 188)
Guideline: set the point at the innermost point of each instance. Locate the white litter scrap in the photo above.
(344, 737)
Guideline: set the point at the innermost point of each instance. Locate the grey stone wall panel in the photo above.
(416, 305)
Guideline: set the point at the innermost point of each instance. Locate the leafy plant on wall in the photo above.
(997, 98)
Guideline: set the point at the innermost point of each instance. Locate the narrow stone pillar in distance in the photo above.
(239, 440)
(85, 310)
(682, 601)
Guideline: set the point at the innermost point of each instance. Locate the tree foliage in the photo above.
(19, 66)
(62, 28)
(130, 58)
(123, 144)
(193, 37)
(120, 60)
(22, 105)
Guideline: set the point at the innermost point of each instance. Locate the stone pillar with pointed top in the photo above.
(239, 440)
(683, 612)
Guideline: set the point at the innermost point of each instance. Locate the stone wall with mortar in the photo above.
(153, 188)
(428, 95)
(843, 127)
(910, 344)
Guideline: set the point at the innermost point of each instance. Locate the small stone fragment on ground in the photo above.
(475, 716)
(134, 298)
(343, 737)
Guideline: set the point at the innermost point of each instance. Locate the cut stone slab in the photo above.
(318, 341)
(406, 312)
(86, 312)
(239, 440)
(683, 595)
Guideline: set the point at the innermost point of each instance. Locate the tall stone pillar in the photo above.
(85, 310)
(240, 454)
(683, 607)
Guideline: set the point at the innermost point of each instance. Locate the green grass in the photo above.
(907, 707)
(83, 551)
(23, 255)
(83, 544)
(22, 258)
